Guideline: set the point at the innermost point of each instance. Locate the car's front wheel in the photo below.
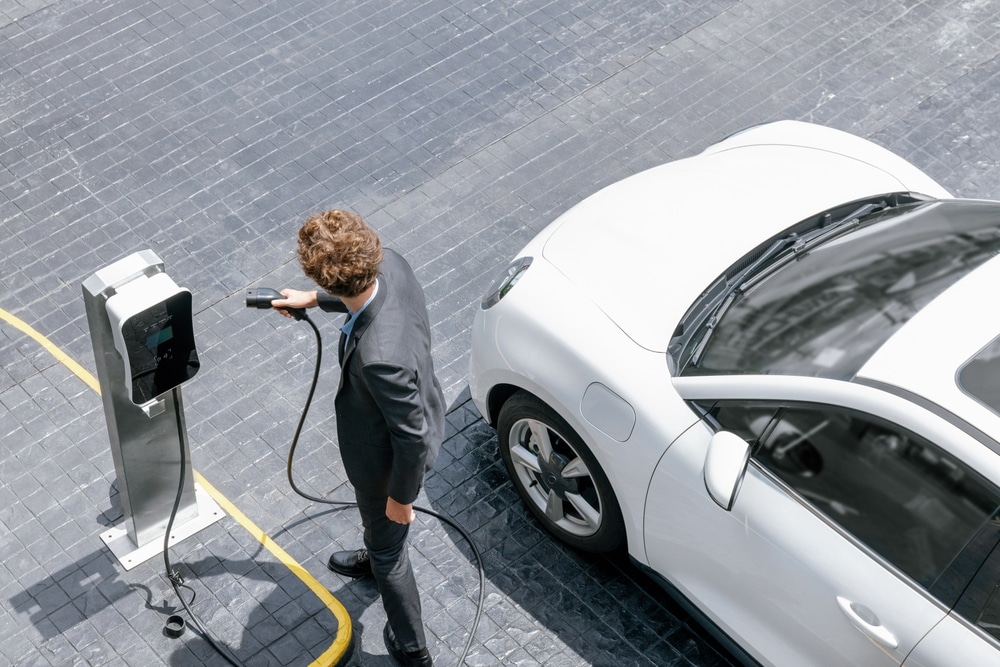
(557, 476)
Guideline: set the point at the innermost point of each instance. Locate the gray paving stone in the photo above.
(206, 131)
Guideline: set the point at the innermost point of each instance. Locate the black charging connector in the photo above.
(261, 297)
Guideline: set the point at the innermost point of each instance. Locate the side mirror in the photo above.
(725, 464)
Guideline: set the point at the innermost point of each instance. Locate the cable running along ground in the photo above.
(177, 580)
(423, 510)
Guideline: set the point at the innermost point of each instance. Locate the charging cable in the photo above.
(175, 624)
(302, 316)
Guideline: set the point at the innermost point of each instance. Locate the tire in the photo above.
(557, 476)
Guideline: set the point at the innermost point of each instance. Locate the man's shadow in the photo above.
(360, 597)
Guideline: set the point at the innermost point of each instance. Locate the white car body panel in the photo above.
(680, 543)
(953, 642)
(586, 331)
(611, 249)
(794, 133)
(564, 374)
(784, 606)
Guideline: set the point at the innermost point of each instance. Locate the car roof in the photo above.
(926, 355)
(644, 248)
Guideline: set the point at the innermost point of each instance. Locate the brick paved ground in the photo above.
(206, 130)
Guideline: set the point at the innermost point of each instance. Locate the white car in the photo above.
(772, 370)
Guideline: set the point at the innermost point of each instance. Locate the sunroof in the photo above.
(980, 376)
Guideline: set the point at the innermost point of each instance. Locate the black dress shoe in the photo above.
(355, 564)
(421, 658)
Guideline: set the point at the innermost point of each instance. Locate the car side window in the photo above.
(906, 499)
(980, 603)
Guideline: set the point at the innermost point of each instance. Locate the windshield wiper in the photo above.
(734, 286)
(818, 236)
(763, 266)
(829, 229)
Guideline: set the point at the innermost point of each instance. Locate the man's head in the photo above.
(340, 252)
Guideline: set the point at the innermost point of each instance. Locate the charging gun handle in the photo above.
(261, 297)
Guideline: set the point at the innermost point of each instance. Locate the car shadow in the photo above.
(546, 602)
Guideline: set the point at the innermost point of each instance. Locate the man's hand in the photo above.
(400, 513)
(294, 299)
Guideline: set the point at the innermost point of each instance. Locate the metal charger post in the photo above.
(141, 329)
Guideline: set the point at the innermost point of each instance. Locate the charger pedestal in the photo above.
(147, 437)
(118, 540)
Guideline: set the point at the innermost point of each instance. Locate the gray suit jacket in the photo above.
(389, 405)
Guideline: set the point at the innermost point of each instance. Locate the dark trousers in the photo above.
(386, 544)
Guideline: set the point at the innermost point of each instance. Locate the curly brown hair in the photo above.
(340, 252)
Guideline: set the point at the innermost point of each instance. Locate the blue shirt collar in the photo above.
(348, 325)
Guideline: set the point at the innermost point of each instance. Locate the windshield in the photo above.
(825, 312)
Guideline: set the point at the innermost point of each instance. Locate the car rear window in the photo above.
(825, 313)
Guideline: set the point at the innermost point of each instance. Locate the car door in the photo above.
(838, 545)
(970, 635)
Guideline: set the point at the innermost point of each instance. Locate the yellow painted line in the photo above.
(343, 639)
(60, 356)
(341, 643)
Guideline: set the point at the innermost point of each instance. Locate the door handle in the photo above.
(864, 619)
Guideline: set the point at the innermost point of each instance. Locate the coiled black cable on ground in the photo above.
(343, 503)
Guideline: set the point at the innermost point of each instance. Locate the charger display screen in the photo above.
(160, 337)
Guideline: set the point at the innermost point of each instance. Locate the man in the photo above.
(389, 405)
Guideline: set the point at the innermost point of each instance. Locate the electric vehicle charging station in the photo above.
(141, 327)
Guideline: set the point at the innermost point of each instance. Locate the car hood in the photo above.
(644, 248)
